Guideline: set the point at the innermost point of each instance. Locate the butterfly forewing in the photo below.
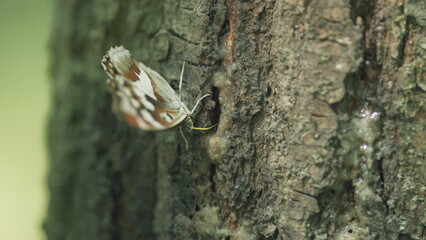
(141, 96)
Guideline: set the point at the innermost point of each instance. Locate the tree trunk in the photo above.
(321, 114)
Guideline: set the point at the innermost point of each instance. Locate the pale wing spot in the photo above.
(127, 107)
(135, 103)
(150, 119)
(139, 92)
(119, 80)
(126, 91)
(145, 84)
(120, 94)
(110, 75)
(147, 104)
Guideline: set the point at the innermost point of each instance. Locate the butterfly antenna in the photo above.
(198, 102)
(192, 111)
(180, 81)
(184, 138)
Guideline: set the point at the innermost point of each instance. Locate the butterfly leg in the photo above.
(180, 81)
(184, 138)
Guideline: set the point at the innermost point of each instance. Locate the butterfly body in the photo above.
(141, 96)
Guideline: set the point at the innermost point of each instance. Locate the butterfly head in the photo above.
(189, 124)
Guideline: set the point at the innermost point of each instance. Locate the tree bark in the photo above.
(321, 114)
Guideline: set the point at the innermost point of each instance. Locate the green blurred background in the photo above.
(24, 95)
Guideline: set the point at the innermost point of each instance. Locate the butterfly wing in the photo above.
(140, 95)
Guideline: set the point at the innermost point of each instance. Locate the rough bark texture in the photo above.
(321, 117)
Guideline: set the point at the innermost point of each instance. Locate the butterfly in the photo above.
(141, 96)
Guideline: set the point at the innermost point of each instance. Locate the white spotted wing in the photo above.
(141, 96)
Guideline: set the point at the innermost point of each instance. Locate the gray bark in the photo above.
(321, 114)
